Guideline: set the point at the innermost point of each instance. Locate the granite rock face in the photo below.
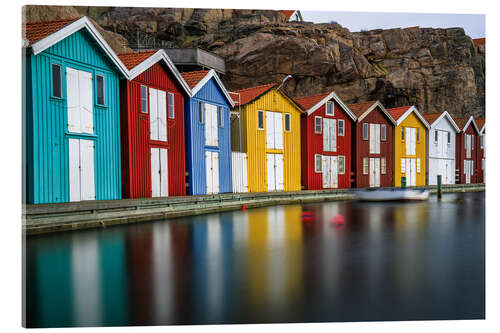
(434, 69)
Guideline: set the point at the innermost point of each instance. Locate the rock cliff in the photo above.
(434, 69)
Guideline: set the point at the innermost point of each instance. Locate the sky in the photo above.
(473, 24)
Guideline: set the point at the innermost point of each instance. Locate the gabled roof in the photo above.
(138, 62)
(400, 113)
(248, 95)
(288, 13)
(314, 102)
(463, 123)
(361, 110)
(42, 35)
(480, 122)
(197, 79)
(434, 118)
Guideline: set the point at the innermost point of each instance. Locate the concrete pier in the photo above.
(46, 218)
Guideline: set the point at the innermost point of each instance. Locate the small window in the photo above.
(402, 133)
(403, 165)
(465, 140)
(341, 165)
(144, 99)
(100, 89)
(418, 134)
(365, 131)
(260, 120)
(418, 165)
(287, 122)
(383, 135)
(472, 142)
(481, 140)
(482, 164)
(329, 108)
(317, 163)
(449, 138)
(435, 136)
(56, 81)
(383, 166)
(341, 127)
(365, 165)
(318, 125)
(221, 116)
(171, 106)
(201, 112)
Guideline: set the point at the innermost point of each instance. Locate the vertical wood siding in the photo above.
(47, 122)
(400, 150)
(363, 149)
(460, 154)
(312, 144)
(136, 135)
(435, 155)
(254, 142)
(195, 141)
(480, 156)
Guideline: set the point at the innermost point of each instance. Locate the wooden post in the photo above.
(439, 187)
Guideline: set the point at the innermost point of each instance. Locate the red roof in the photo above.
(132, 59)
(250, 94)
(461, 122)
(478, 41)
(288, 13)
(396, 113)
(431, 117)
(309, 101)
(192, 78)
(480, 122)
(359, 108)
(35, 31)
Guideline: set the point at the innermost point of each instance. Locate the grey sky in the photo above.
(473, 24)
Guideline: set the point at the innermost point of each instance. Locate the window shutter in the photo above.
(326, 135)
(270, 129)
(215, 129)
(377, 138)
(73, 100)
(278, 130)
(162, 115)
(153, 113)
(86, 102)
(333, 134)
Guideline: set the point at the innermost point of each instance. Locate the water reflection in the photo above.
(384, 262)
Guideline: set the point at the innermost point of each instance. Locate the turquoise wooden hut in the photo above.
(71, 113)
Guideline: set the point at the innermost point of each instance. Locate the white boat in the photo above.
(392, 194)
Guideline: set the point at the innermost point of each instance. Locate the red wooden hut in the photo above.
(481, 157)
(152, 126)
(466, 151)
(372, 138)
(325, 129)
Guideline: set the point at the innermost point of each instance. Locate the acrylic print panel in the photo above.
(284, 254)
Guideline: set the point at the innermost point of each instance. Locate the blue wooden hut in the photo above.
(208, 141)
(71, 113)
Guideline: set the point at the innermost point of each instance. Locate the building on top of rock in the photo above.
(293, 15)
(195, 59)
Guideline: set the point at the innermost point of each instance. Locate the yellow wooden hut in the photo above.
(409, 146)
(266, 126)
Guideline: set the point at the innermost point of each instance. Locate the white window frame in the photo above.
(366, 130)
(316, 170)
(103, 89)
(366, 166)
(343, 164)
(171, 111)
(260, 112)
(320, 125)
(328, 105)
(341, 121)
(147, 99)
(289, 116)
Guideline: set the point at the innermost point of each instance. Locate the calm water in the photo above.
(387, 262)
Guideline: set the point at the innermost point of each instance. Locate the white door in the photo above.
(334, 182)
(325, 169)
(159, 172)
(212, 172)
(280, 181)
(271, 179)
(330, 172)
(79, 101)
(411, 171)
(81, 170)
(377, 171)
(211, 135)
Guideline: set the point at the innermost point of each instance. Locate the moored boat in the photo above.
(396, 194)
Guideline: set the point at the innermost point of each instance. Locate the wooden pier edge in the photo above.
(48, 218)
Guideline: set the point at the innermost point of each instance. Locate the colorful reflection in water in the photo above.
(385, 262)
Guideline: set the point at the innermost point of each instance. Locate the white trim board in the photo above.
(372, 107)
(70, 29)
(473, 123)
(212, 74)
(446, 115)
(407, 113)
(336, 98)
(153, 59)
